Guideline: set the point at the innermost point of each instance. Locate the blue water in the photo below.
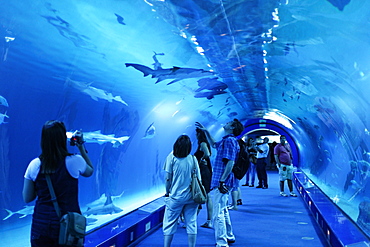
(301, 63)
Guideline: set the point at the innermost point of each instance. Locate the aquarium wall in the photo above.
(134, 75)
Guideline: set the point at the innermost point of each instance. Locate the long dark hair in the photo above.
(182, 146)
(53, 145)
(201, 136)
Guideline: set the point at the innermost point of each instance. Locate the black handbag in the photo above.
(72, 225)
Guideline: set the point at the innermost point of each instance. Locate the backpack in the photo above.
(242, 163)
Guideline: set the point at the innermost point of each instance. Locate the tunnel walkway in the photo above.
(264, 219)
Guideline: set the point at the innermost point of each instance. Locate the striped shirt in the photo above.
(227, 148)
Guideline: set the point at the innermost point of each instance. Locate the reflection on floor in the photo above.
(264, 219)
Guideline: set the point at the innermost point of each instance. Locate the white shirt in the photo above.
(265, 148)
(75, 166)
(181, 169)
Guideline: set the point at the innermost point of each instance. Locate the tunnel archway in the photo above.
(260, 127)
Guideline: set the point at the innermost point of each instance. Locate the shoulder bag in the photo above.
(72, 225)
(198, 192)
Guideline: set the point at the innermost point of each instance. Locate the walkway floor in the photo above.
(264, 219)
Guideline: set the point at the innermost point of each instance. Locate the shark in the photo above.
(2, 118)
(102, 200)
(93, 92)
(25, 211)
(150, 132)
(103, 209)
(3, 101)
(98, 137)
(210, 84)
(175, 73)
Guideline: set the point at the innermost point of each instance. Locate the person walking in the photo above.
(283, 158)
(223, 179)
(179, 166)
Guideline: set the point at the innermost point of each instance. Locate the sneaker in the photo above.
(239, 202)
(245, 185)
(283, 194)
(259, 187)
(251, 185)
(231, 241)
(208, 224)
(293, 194)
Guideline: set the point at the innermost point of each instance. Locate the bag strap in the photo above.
(52, 193)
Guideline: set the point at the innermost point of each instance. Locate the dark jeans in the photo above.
(261, 172)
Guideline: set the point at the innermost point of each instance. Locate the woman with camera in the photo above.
(64, 169)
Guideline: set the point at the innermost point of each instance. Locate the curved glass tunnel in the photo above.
(134, 75)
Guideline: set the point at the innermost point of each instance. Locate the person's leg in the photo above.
(170, 219)
(247, 176)
(258, 172)
(281, 186)
(264, 175)
(234, 198)
(190, 214)
(209, 209)
(192, 239)
(219, 207)
(229, 228)
(253, 174)
(239, 200)
(168, 240)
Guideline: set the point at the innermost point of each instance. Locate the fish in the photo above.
(2, 118)
(25, 211)
(3, 101)
(103, 209)
(150, 132)
(340, 4)
(209, 94)
(98, 137)
(103, 199)
(210, 84)
(120, 19)
(93, 92)
(176, 73)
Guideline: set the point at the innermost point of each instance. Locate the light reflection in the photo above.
(279, 117)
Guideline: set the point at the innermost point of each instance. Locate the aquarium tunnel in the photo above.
(134, 75)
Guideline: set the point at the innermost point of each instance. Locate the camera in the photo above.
(76, 138)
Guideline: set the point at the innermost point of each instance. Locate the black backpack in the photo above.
(242, 163)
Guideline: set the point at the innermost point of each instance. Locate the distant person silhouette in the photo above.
(251, 173)
(263, 151)
(64, 169)
(283, 158)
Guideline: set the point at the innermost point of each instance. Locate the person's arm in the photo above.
(228, 170)
(29, 193)
(277, 160)
(168, 183)
(209, 137)
(204, 148)
(89, 168)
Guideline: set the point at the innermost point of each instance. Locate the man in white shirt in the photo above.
(262, 153)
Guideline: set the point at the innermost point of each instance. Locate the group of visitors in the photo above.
(218, 178)
(64, 170)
